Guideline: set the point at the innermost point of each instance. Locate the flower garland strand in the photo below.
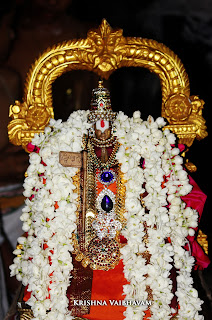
(167, 218)
(45, 263)
(183, 220)
(140, 140)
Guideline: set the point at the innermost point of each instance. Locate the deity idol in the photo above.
(109, 221)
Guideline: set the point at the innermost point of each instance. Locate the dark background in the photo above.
(27, 28)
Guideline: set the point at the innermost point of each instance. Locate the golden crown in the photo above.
(101, 105)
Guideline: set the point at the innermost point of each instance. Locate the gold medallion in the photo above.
(104, 254)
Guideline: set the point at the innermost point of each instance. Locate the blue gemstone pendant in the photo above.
(107, 203)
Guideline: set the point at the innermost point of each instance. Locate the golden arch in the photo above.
(103, 51)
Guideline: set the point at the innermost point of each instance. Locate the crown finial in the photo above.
(100, 84)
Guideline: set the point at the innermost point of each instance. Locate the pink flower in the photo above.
(32, 148)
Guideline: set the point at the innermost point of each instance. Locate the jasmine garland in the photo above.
(45, 263)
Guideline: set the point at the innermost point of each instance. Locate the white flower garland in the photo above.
(45, 263)
(145, 139)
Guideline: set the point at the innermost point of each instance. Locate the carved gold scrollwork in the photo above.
(103, 51)
(185, 118)
(178, 108)
(27, 120)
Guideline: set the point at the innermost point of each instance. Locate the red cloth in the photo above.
(108, 285)
(196, 200)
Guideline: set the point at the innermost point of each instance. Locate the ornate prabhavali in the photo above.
(104, 51)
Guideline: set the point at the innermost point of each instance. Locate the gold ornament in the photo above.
(185, 118)
(202, 240)
(25, 314)
(178, 108)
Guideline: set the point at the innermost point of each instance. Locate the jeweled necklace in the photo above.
(103, 143)
(111, 160)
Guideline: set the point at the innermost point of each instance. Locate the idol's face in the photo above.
(103, 135)
(102, 130)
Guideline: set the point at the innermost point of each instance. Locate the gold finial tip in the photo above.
(100, 85)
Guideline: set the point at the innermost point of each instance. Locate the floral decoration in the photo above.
(49, 219)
